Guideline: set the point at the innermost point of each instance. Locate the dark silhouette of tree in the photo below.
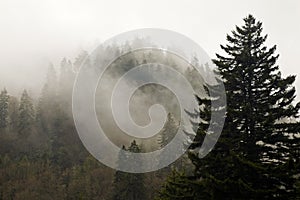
(257, 155)
(260, 104)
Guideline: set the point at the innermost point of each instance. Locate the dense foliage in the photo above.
(257, 155)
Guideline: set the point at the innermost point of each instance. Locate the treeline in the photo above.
(42, 157)
(256, 156)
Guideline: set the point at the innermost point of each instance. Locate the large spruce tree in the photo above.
(257, 155)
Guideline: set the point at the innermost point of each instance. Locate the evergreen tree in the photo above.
(4, 100)
(48, 101)
(120, 185)
(26, 114)
(168, 131)
(79, 60)
(13, 110)
(164, 137)
(51, 81)
(178, 186)
(259, 99)
(257, 155)
(66, 81)
(181, 186)
(260, 102)
(126, 185)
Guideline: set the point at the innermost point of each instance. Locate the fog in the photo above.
(35, 33)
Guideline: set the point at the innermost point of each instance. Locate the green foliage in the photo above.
(47, 102)
(168, 132)
(177, 186)
(26, 178)
(66, 80)
(4, 99)
(13, 113)
(257, 155)
(126, 185)
(26, 114)
(260, 106)
(42, 157)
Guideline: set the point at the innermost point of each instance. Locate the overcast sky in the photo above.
(35, 32)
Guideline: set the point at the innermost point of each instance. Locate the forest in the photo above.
(257, 155)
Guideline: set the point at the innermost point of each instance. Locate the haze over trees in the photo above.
(256, 156)
(4, 98)
(42, 156)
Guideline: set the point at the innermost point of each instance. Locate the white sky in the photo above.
(35, 32)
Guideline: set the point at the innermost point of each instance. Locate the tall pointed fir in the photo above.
(126, 185)
(168, 131)
(260, 108)
(47, 103)
(66, 80)
(26, 114)
(4, 100)
(13, 113)
(179, 185)
(257, 155)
